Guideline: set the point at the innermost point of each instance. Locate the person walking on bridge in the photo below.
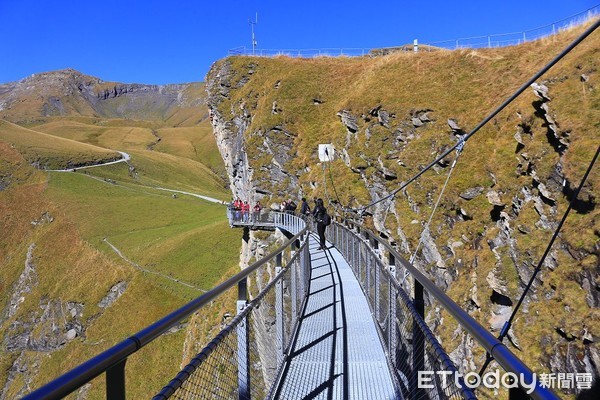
(304, 207)
(321, 216)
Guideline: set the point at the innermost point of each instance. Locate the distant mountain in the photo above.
(70, 93)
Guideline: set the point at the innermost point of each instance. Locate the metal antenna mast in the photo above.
(252, 23)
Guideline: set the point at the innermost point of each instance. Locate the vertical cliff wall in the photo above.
(390, 116)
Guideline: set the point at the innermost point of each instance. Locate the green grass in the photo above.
(52, 152)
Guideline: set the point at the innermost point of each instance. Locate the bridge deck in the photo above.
(337, 353)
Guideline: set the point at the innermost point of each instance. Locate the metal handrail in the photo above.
(115, 357)
(503, 356)
(183, 375)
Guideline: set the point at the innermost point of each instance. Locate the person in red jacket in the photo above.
(257, 210)
(245, 211)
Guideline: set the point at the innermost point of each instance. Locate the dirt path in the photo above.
(126, 158)
(116, 250)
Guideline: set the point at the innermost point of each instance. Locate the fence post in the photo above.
(392, 339)
(367, 267)
(377, 291)
(418, 340)
(243, 334)
(279, 310)
(294, 285)
(115, 381)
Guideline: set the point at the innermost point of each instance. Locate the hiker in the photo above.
(290, 207)
(304, 207)
(237, 209)
(245, 211)
(323, 219)
(257, 210)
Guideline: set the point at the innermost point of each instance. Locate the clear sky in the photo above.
(174, 41)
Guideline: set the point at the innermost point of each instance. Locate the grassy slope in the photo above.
(52, 152)
(465, 85)
(178, 238)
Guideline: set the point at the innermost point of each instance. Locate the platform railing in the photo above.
(398, 306)
(278, 281)
(265, 218)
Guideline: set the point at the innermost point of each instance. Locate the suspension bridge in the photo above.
(347, 322)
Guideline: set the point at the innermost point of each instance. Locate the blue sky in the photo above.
(177, 41)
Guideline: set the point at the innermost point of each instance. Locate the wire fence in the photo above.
(245, 359)
(410, 345)
(483, 41)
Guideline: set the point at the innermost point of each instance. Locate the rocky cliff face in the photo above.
(504, 200)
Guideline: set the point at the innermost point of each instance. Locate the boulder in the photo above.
(540, 91)
(348, 120)
(471, 193)
(494, 199)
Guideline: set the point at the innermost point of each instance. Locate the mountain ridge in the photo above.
(69, 92)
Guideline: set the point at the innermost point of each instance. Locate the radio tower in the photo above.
(252, 23)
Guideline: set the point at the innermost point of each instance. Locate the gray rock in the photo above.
(71, 334)
(584, 78)
(545, 193)
(454, 126)
(540, 91)
(113, 294)
(424, 117)
(417, 122)
(494, 199)
(349, 121)
(384, 118)
(471, 193)
(518, 138)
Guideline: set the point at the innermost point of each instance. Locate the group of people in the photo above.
(319, 213)
(241, 212)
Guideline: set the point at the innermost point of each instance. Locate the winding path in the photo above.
(116, 250)
(126, 158)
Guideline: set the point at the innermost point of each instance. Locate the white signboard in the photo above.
(326, 152)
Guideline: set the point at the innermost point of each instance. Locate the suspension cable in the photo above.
(507, 325)
(509, 100)
(459, 149)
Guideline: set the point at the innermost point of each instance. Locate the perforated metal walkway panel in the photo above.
(337, 353)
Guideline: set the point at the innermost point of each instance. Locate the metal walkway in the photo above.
(337, 353)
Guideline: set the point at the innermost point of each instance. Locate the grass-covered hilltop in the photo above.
(388, 117)
(88, 258)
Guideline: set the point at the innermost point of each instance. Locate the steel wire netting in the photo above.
(409, 343)
(244, 360)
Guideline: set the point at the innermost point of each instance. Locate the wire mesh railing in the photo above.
(409, 343)
(421, 366)
(239, 365)
(245, 359)
(480, 41)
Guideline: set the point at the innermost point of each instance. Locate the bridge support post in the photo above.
(368, 266)
(418, 341)
(115, 381)
(294, 285)
(392, 338)
(243, 334)
(279, 311)
(377, 281)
